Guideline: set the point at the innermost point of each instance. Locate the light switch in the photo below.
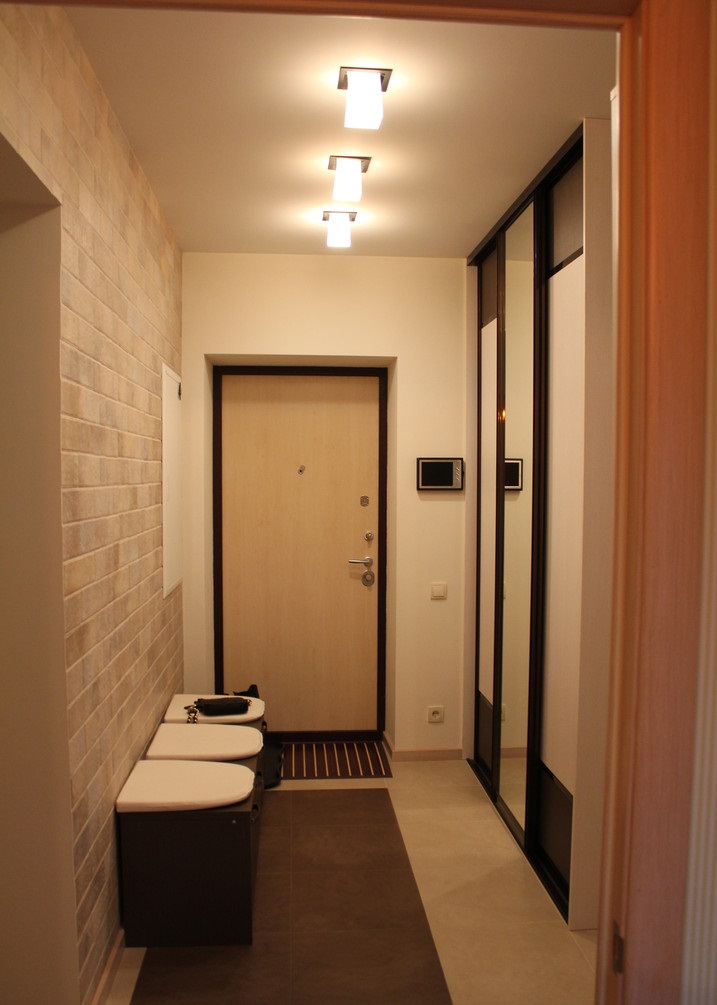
(439, 591)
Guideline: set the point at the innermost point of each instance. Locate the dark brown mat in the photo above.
(338, 918)
(349, 759)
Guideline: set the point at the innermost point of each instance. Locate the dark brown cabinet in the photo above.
(187, 877)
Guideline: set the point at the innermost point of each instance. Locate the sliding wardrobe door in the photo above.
(565, 294)
(544, 540)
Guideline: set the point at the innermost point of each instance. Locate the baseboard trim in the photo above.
(427, 755)
(111, 967)
(325, 736)
(421, 755)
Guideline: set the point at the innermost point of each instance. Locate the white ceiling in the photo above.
(233, 117)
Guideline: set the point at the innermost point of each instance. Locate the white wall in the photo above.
(408, 314)
(38, 960)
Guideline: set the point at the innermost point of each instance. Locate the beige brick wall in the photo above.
(121, 287)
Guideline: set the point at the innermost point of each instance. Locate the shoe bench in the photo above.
(188, 821)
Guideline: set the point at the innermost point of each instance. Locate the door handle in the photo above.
(368, 561)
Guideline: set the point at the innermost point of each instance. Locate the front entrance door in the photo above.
(301, 545)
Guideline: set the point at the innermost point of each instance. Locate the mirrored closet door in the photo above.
(517, 511)
(529, 587)
(507, 375)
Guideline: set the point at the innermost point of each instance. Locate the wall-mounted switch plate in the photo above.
(439, 591)
(435, 713)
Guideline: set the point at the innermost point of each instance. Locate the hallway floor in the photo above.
(500, 939)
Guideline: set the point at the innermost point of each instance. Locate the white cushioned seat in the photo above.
(184, 785)
(177, 711)
(205, 742)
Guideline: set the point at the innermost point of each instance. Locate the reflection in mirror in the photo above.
(517, 544)
(486, 572)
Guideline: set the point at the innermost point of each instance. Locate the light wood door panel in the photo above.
(298, 454)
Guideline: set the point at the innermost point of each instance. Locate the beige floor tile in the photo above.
(587, 942)
(476, 831)
(505, 897)
(437, 785)
(427, 774)
(532, 964)
(126, 977)
(440, 797)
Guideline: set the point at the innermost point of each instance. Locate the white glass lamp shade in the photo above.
(338, 234)
(348, 182)
(364, 99)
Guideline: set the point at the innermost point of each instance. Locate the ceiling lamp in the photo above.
(338, 234)
(347, 183)
(364, 96)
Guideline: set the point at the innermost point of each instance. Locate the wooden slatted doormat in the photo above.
(340, 759)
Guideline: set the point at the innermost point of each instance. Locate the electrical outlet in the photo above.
(435, 713)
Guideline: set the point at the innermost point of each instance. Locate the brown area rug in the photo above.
(349, 759)
(338, 918)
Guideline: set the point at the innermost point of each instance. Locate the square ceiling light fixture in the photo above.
(338, 234)
(348, 181)
(364, 95)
